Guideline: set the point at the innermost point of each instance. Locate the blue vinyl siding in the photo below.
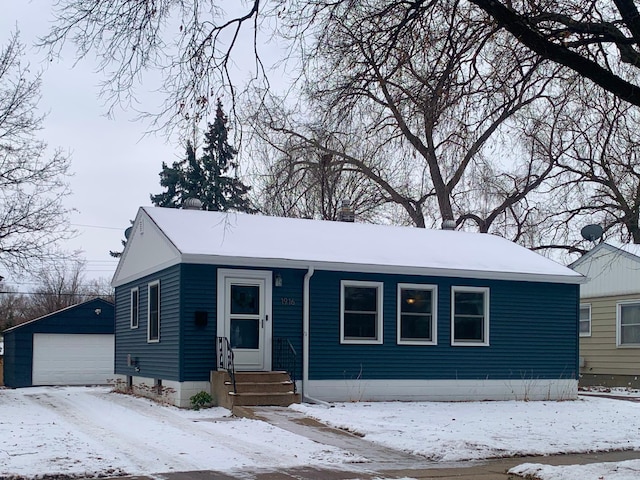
(198, 293)
(533, 330)
(533, 334)
(79, 319)
(287, 311)
(155, 360)
(199, 289)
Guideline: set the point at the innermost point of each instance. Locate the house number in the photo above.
(287, 301)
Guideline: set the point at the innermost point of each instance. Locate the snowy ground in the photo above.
(90, 431)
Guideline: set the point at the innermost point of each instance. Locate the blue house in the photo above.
(372, 312)
(73, 346)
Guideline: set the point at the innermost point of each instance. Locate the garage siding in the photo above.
(77, 319)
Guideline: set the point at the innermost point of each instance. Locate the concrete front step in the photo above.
(253, 389)
(264, 399)
(261, 387)
(262, 377)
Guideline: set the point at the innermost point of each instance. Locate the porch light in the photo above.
(277, 281)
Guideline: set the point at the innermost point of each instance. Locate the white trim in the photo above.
(137, 291)
(485, 332)
(265, 276)
(155, 283)
(306, 313)
(379, 286)
(586, 306)
(434, 313)
(619, 306)
(366, 268)
(443, 390)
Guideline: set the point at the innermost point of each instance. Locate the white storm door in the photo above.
(246, 316)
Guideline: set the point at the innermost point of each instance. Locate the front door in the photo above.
(244, 316)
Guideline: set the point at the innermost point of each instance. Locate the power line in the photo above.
(96, 226)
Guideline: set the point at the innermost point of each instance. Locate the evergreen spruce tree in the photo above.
(206, 178)
(210, 179)
(173, 179)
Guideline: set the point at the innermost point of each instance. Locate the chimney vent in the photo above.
(448, 224)
(346, 213)
(192, 204)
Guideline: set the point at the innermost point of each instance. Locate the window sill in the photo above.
(469, 344)
(344, 341)
(416, 342)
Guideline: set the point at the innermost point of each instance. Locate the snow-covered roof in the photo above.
(198, 236)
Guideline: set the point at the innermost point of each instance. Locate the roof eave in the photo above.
(374, 268)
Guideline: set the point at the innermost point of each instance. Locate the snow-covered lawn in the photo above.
(476, 430)
(479, 430)
(90, 431)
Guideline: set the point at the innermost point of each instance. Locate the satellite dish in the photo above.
(127, 232)
(591, 232)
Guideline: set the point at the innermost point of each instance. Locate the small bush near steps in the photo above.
(200, 400)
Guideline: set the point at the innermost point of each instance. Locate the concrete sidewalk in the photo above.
(485, 470)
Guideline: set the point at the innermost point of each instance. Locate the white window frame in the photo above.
(585, 306)
(135, 324)
(379, 286)
(149, 287)
(485, 333)
(619, 306)
(434, 313)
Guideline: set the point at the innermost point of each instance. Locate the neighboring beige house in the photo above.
(610, 315)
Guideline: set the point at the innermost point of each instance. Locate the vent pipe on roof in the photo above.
(346, 213)
(448, 224)
(192, 204)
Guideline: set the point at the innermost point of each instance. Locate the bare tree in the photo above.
(600, 162)
(61, 285)
(598, 39)
(427, 121)
(189, 42)
(14, 307)
(32, 180)
(307, 183)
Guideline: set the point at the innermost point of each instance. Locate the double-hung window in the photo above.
(135, 307)
(628, 323)
(417, 314)
(470, 316)
(153, 332)
(585, 320)
(360, 312)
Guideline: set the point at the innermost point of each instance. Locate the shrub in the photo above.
(200, 400)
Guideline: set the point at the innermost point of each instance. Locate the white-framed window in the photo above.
(417, 307)
(628, 323)
(360, 312)
(153, 301)
(135, 307)
(585, 319)
(469, 316)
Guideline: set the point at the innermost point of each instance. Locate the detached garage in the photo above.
(73, 346)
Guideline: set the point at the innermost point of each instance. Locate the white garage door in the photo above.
(72, 359)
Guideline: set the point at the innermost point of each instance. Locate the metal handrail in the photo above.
(285, 358)
(224, 359)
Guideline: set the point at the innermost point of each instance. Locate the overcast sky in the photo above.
(115, 166)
